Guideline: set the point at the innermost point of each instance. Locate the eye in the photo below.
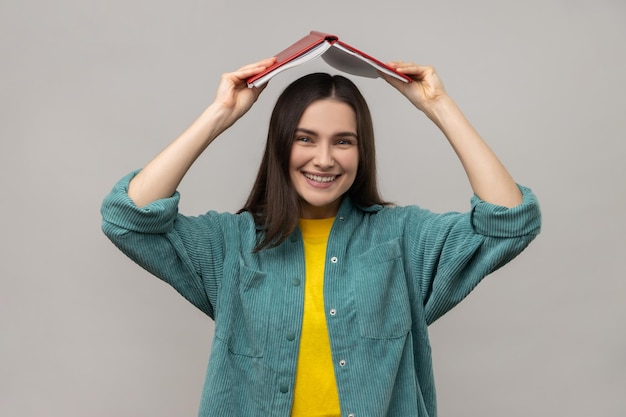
(304, 139)
(345, 142)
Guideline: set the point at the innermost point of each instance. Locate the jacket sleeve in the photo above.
(452, 252)
(166, 243)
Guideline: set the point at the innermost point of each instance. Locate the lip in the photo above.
(318, 184)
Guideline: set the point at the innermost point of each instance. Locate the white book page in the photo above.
(306, 57)
(350, 62)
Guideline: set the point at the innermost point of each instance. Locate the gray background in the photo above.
(90, 90)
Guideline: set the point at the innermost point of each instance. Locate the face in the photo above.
(324, 157)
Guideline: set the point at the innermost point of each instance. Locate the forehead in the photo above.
(328, 116)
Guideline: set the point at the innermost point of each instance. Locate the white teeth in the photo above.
(319, 178)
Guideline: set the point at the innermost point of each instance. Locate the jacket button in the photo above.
(284, 389)
(333, 312)
(342, 362)
(291, 336)
(334, 259)
(295, 282)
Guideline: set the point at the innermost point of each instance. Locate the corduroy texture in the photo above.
(389, 273)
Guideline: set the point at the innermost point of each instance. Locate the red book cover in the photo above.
(335, 52)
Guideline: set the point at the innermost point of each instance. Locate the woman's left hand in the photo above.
(489, 178)
(426, 87)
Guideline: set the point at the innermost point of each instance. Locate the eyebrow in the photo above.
(338, 134)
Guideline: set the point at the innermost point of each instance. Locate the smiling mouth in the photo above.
(319, 178)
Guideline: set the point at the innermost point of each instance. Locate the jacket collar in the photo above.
(347, 206)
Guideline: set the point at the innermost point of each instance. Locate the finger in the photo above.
(262, 63)
(258, 90)
(405, 64)
(399, 64)
(414, 69)
(249, 70)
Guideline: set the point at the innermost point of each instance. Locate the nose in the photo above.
(323, 157)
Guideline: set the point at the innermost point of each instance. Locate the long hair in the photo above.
(273, 202)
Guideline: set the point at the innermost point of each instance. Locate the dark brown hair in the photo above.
(273, 202)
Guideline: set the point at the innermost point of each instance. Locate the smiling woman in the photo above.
(324, 157)
(313, 113)
(317, 282)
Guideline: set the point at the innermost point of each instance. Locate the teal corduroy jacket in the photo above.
(389, 273)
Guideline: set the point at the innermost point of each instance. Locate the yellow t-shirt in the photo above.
(315, 392)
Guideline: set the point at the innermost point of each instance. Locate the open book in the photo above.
(336, 53)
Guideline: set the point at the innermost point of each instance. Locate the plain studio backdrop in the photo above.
(90, 90)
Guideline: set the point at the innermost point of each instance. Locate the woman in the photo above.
(321, 292)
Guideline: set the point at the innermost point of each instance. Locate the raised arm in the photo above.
(489, 179)
(161, 176)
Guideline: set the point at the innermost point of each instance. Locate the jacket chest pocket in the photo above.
(381, 294)
(243, 317)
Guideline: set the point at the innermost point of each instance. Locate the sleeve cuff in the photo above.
(157, 217)
(498, 221)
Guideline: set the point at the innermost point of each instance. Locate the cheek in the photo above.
(293, 160)
(297, 156)
(351, 162)
(355, 168)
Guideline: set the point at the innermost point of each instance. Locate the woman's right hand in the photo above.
(233, 97)
(161, 176)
